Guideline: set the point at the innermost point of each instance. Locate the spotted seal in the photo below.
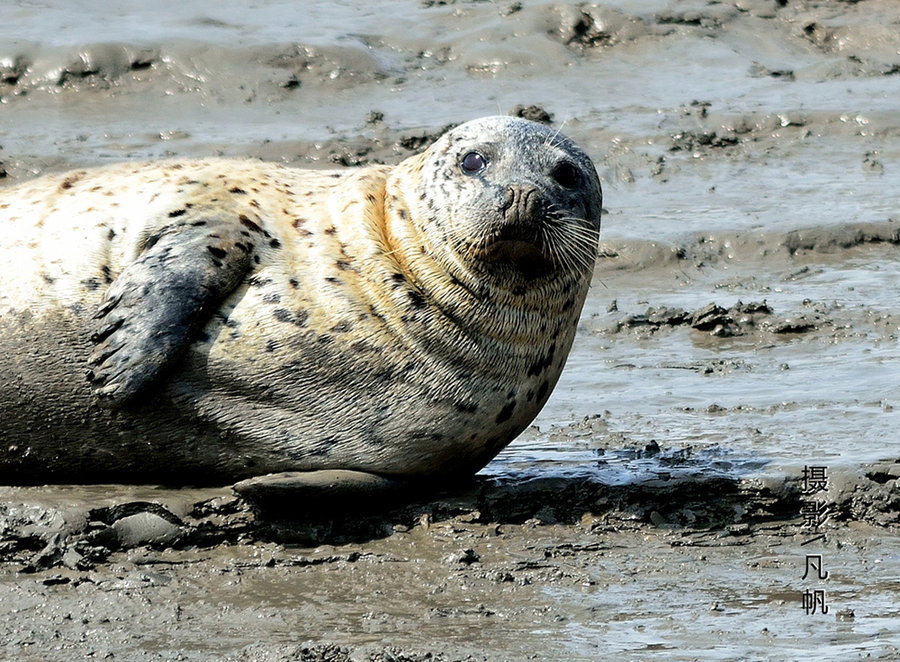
(211, 320)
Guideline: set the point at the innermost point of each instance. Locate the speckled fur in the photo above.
(210, 320)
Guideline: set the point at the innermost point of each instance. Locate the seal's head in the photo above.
(516, 203)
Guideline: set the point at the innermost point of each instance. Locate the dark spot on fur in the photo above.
(48, 279)
(530, 395)
(275, 243)
(297, 319)
(110, 235)
(542, 363)
(107, 274)
(342, 327)
(217, 252)
(272, 297)
(343, 265)
(271, 345)
(246, 248)
(467, 407)
(416, 299)
(542, 391)
(294, 283)
(256, 259)
(238, 190)
(198, 224)
(506, 413)
(256, 281)
(91, 283)
(332, 279)
(298, 222)
(177, 213)
(330, 230)
(247, 223)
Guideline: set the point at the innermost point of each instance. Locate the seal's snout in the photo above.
(517, 241)
(522, 204)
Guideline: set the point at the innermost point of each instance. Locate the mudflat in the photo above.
(716, 475)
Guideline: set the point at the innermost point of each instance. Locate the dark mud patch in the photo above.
(44, 528)
(334, 653)
(739, 319)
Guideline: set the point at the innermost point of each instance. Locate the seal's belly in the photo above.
(350, 397)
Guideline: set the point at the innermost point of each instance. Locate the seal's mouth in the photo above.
(521, 255)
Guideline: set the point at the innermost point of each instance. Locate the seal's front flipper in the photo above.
(310, 495)
(160, 302)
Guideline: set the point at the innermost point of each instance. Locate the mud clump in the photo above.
(585, 27)
(335, 653)
(533, 113)
(690, 141)
(40, 537)
(831, 240)
(738, 320)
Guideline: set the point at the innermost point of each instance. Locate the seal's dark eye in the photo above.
(566, 175)
(473, 162)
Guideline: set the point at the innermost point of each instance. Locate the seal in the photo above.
(213, 320)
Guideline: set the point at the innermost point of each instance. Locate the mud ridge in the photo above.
(709, 250)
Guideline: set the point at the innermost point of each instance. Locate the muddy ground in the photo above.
(743, 325)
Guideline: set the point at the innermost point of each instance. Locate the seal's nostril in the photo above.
(522, 204)
(509, 198)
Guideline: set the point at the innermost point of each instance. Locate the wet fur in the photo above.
(202, 321)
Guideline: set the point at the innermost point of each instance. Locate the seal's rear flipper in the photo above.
(311, 495)
(156, 307)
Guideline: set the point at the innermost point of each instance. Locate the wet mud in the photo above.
(742, 328)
